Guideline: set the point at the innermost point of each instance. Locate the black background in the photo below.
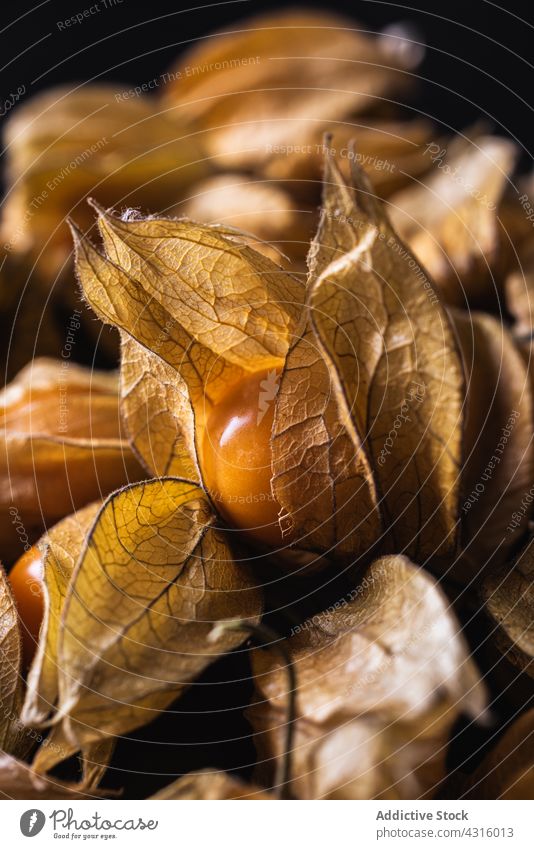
(477, 65)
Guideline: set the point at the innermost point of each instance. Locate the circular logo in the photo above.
(32, 822)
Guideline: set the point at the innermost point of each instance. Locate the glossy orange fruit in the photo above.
(26, 579)
(236, 458)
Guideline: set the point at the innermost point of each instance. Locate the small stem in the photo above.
(265, 635)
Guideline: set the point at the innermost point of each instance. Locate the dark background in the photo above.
(477, 65)
(478, 61)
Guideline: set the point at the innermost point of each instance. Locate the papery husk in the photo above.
(236, 303)
(157, 412)
(60, 549)
(19, 781)
(376, 363)
(94, 757)
(323, 483)
(498, 449)
(62, 447)
(277, 79)
(12, 737)
(451, 220)
(508, 598)
(67, 143)
(381, 678)
(360, 759)
(283, 226)
(27, 404)
(390, 152)
(211, 785)
(152, 578)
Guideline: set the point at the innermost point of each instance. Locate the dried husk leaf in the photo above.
(153, 577)
(48, 478)
(118, 299)
(94, 758)
(508, 595)
(26, 403)
(227, 296)
(321, 479)
(451, 220)
(508, 771)
(61, 447)
(394, 367)
(274, 78)
(19, 781)
(360, 759)
(60, 548)
(396, 625)
(390, 152)
(10, 670)
(65, 144)
(157, 412)
(499, 464)
(210, 785)
(380, 680)
(264, 208)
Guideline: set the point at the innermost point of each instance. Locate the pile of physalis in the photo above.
(307, 448)
(290, 523)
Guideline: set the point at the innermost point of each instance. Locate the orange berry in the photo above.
(26, 579)
(236, 458)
